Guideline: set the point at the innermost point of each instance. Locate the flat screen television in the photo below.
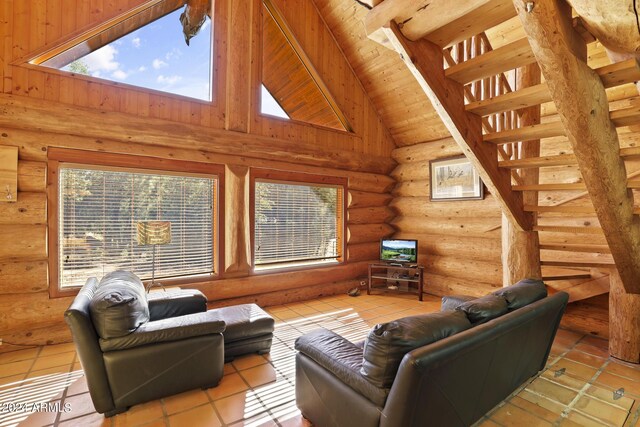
(401, 251)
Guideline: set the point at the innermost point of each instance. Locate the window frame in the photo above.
(91, 159)
(288, 177)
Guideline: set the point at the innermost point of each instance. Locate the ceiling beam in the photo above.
(417, 17)
(424, 60)
(581, 102)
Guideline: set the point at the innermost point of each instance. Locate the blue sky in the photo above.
(157, 57)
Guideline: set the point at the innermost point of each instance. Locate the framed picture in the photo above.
(454, 178)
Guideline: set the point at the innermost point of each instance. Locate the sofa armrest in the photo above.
(165, 330)
(342, 358)
(175, 302)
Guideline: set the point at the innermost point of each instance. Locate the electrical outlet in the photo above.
(363, 283)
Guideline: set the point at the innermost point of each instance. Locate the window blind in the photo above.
(98, 215)
(296, 223)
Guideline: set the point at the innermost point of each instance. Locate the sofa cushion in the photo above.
(342, 358)
(481, 310)
(451, 302)
(387, 343)
(119, 305)
(523, 293)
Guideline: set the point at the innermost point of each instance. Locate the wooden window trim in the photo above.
(56, 156)
(284, 177)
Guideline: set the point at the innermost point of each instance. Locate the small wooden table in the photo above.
(398, 275)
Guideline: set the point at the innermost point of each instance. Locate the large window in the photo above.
(296, 222)
(98, 211)
(163, 45)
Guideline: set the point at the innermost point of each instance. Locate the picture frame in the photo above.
(454, 178)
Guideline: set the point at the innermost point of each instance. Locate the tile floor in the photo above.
(581, 385)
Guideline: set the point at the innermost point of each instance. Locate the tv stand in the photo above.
(397, 277)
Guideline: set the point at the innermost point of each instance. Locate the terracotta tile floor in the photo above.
(578, 386)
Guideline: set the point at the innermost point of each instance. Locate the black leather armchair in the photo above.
(128, 359)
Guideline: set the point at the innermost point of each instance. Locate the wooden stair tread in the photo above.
(620, 118)
(527, 97)
(578, 264)
(574, 276)
(567, 229)
(539, 162)
(558, 160)
(551, 273)
(569, 247)
(611, 75)
(510, 56)
(525, 133)
(551, 187)
(568, 209)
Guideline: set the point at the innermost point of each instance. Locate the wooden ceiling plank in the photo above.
(508, 57)
(581, 102)
(487, 16)
(424, 59)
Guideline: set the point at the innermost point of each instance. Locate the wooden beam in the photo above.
(521, 249)
(624, 321)
(415, 18)
(612, 22)
(508, 57)
(19, 112)
(424, 60)
(550, 187)
(489, 15)
(581, 101)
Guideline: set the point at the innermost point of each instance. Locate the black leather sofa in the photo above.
(440, 369)
(128, 358)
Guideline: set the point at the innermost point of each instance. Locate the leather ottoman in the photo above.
(249, 330)
(175, 302)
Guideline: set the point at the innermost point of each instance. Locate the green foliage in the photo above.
(79, 67)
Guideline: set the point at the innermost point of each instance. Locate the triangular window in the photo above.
(269, 105)
(146, 48)
(290, 78)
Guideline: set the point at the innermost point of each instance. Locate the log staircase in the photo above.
(575, 255)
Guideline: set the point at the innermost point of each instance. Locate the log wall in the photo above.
(41, 108)
(459, 241)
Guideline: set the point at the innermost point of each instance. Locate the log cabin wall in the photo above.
(42, 108)
(459, 241)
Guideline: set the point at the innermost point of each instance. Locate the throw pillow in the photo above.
(523, 293)
(481, 310)
(119, 305)
(451, 302)
(387, 343)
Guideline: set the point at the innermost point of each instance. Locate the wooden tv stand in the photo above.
(401, 276)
